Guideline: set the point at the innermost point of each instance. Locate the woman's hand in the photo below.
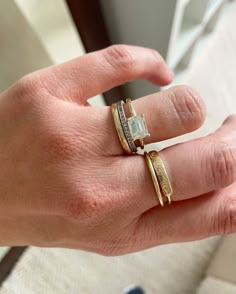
(64, 180)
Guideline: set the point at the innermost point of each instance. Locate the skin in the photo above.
(65, 181)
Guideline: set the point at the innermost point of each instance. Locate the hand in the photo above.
(64, 181)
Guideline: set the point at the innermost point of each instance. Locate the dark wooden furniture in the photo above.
(8, 261)
(89, 21)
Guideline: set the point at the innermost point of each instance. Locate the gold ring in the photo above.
(119, 129)
(125, 126)
(137, 125)
(129, 129)
(162, 175)
(154, 178)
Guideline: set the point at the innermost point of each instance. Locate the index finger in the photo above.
(97, 72)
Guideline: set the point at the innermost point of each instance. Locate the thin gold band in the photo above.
(125, 126)
(162, 175)
(131, 108)
(154, 178)
(119, 129)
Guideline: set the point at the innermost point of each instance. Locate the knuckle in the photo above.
(120, 57)
(226, 218)
(84, 202)
(222, 165)
(230, 119)
(188, 106)
(159, 59)
(23, 92)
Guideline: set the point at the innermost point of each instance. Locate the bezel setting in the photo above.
(138, 128)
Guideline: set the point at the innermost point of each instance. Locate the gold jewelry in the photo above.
(129, 129)
(162, 175)
(125, 126)
(119, 129)
(154, 178)
(137, 125)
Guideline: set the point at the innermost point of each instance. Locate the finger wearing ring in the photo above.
(168, 114)
(194, 169)
(129, 129)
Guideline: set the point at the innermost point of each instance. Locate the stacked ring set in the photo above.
(132, 130)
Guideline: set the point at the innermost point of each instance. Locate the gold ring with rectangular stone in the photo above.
(137, 125)
(125, 126)
(119, 129)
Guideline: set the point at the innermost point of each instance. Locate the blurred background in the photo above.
(35, 34)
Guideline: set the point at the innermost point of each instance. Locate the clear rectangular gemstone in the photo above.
(138, 128)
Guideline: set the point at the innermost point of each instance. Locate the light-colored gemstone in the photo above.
(138, 128)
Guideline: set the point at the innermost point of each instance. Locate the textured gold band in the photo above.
(162, 175)
(119, 129)
(154, 178)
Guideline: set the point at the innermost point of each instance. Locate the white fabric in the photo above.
(223, 265)
(214, 286)
(168, 269)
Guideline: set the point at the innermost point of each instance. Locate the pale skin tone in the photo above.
(65, 181)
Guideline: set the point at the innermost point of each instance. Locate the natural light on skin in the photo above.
(139, 130)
